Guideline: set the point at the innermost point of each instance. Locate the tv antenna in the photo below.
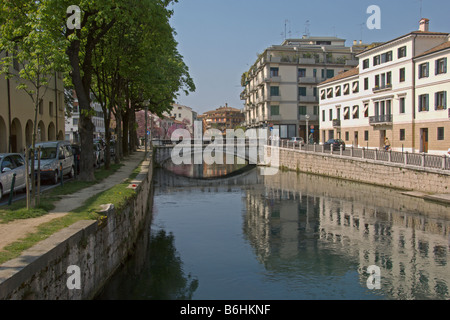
(307, 24)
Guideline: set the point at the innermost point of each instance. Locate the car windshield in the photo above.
(47, 153)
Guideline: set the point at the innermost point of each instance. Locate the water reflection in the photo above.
(290, 236)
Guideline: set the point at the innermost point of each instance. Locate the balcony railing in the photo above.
(336, 123)
(382, 88)
(381, 119)
(308, 99)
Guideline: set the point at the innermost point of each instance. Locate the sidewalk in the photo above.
(19, 229)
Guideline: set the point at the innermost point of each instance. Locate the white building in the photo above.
(183, 114)
(397, 92)
(281, 87)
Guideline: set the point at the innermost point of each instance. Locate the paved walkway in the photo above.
(19, 229)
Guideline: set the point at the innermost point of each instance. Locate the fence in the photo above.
(422, 160)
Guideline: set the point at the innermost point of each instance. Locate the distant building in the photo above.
(17, 113)
(183, 114)
(71, 127)
(280, 89)
(398, 91)
(222, 118)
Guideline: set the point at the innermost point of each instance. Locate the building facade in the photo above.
(184, 114)
(222, 118)
(280, 89)
(17, 113)
(398, 91)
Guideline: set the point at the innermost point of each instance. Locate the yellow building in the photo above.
(17, 114)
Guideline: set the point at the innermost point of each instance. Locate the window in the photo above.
(302, 110)
(440, 133)
(402, 105)
(316, 110)
(441, 66)
(366, 64)
(274, 91)
(402, 75)
(302, 91)
(331, 114)
(346, 89)
(301, 73)
(273, 72)
(402, 52)
(366, 135)
(275, 110)
(50, 109)
(402, 134)
(337, 91)
(376, 60)
(366, 83)
(424, 70)
(346, 113)
(366, 110)
(41, 107)
(323, 115)
(75, 121)
(322, 94)
(424, 102)
(330, 74)
(440, 100)
(355, 112)
(355, 87)
(386, 57)
(347, 136)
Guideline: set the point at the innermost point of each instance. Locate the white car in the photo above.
(10, 164)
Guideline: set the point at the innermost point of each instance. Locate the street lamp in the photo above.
(306, 132)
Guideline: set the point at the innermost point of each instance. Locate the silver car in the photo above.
(55, 155)
(10, 164)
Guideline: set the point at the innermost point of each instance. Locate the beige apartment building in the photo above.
(280, 89)
(17, 114)
(398, 91)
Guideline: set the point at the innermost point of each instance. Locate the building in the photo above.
(183, 114)
(281, 87)
(17, 113)
(398, 91)
(222, 118)
(97, 119)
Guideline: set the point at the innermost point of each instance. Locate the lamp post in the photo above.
(307, 126)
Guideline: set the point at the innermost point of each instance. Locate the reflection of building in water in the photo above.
(293, 213)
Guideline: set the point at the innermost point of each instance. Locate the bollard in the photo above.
(61, 174)
(12, 189)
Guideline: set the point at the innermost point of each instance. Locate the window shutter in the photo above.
(427, 102)
(445, 66)
(436, 100)
(428, 70)
(436, 70)
(445, 100)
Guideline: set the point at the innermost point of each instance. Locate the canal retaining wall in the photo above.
(75, 263)
(390, 175)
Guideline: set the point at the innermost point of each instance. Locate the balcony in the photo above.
(336, 123)
(385, 119)
(382, 88)
(272, 79)
(308, 99)
(312, 80)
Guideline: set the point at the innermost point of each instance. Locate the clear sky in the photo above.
(220, 39)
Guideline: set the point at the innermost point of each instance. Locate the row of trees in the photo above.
(122, 53)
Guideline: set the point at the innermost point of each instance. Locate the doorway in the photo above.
(424, 140)
(356, 142)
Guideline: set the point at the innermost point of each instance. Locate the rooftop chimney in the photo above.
(424, 25)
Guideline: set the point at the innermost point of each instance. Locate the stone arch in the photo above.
(29, 133)
(51, 132)
(60, 135)
(16, 136)
(3, 136)
(40, 137)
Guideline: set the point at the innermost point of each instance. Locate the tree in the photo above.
(36, 54)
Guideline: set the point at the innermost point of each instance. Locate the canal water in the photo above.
(285, 237)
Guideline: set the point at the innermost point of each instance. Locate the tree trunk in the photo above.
(125, 131)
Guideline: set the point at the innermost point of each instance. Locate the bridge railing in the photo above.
(422, 160)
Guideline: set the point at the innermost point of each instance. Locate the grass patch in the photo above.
(117, 195)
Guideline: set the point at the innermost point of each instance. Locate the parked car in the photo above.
(297, 141)
(76, 150)
(337, 143)
(53, 155)
(99, 154)
(10, 164)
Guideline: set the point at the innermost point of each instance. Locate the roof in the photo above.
(438, 48)
(342, 75)
(223, 109)
(425, 33)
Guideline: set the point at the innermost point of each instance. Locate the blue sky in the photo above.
(220, 39)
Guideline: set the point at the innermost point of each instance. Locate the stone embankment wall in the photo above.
(96, 248)
(364, 170)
